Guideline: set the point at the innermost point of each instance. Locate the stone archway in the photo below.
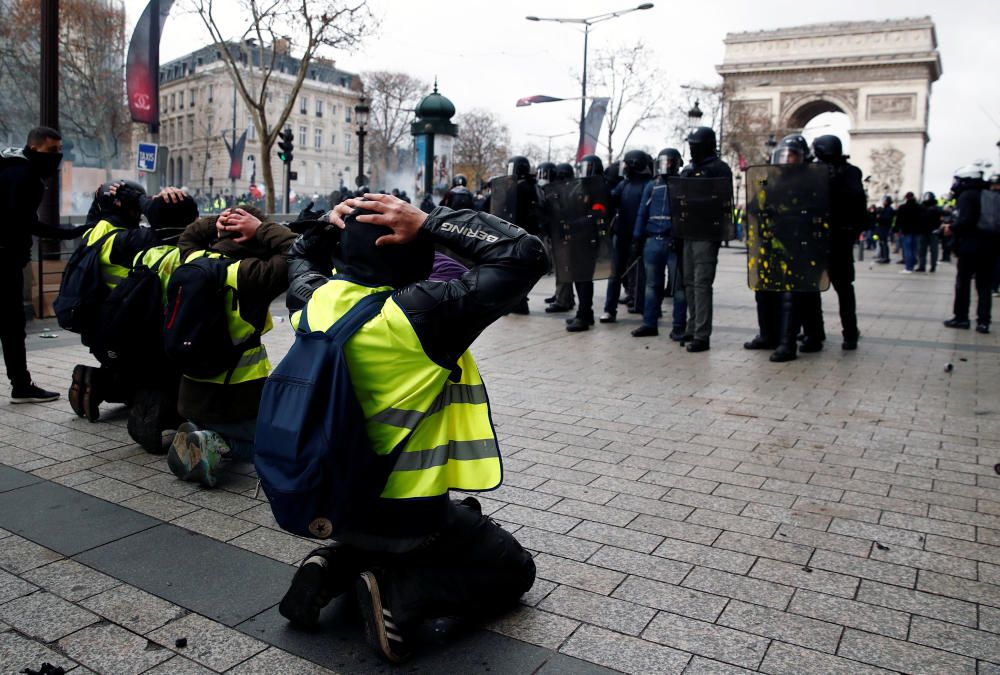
(879, 73)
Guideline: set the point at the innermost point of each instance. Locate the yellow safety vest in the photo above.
(253, 363)
(110, 272)
(449, 438)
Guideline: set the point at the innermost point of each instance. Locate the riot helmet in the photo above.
(545, 172)
(701, 141)
(612, 174)
(127, 202)
(668, 162)
(929, 198)
(459, 180)
(970, 176)
(793, 149)
(591, 165)
(637, 164)
(828, 148)
(518, 166)
(564, 171)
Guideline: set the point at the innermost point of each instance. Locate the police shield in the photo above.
(788, 227)
(702, 208)
(579, 228)
(503, 198)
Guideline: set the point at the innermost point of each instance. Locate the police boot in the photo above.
(326, 573)
(787, 346)
(581, 322)
(144, 421)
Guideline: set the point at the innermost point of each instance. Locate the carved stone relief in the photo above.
(892, 107)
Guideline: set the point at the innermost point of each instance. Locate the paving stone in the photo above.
(964, 549)
(705, 556)
(652, 507)
(963, 589)
(159, 506)
(111, 489)
(221, 501)
(70, 580)
(782, 659)
(630, 487)
(617, 615)
(641, 564)
(77, 478)
(918, 602)
(759, 546)
(701, 666)
(682, 482)
(274, 544)
(213, 524)
(880, 533)
(617, 536)
(168, 484)
(846, 612)
(864, 568)
(777, 514)
(803, 490)
(924, 560)
(725, 521)
(178, 665)
(537, 519)
(805, 576)
(556, 544)
(673, 529)
(706, 639)
(274, 660)
(594, 512)
(623, 653)
(823, 540)
(19, 555)
(699, 501)
(989, 619)
(45, 616)
(209, 643)
(951, 637)
(580, 575)
(990, 573)
(905, 656)
(757, 591)
(584, 493)
(13, 587)
(513, 495)
(133, 608)
(112, 650)
(537, 592)
(669, 597)
(884, 503)
(122, 470)
(535, 626)
(753, 495)
(931, 525)
(783, 626)
(18, 652)
(726, 477)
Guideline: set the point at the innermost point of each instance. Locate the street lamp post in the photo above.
(694, 116)
(361, 111)
(587, 22)
(549, 137)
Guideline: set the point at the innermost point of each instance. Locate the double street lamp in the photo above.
(587, 22)
(361, 112)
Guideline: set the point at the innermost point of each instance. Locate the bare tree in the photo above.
(261, 54)
(92, 111)
(635, 89)
(392, 98)
(482, 146)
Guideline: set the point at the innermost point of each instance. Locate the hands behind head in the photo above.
(238, 222)
(403, 218)
(171, 195)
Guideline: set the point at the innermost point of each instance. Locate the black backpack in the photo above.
(989, 212)
(196, 320)
(82, 289)
(131, 326)
(312, 452)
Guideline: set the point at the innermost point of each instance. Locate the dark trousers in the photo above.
(12, 322)
(980, 266)
(471, 570)
(925, 243)
(883, 243)
(769, 317)
(658, 257)
(842, 278)
(585, 293)
(700, 261)
(809, 310)
(564, 294)
(620, 246)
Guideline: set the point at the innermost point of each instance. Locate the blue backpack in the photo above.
(82, 289)
(313, 456)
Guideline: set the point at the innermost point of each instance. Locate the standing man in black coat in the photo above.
(847, 219)
(23, 172)
(701, 257)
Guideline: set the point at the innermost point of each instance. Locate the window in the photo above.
(318, 139)
(251, 129)
(333, 140)
(347, 144)
(319, 107)
(210, 120)
(173, 101)
(319, 173)
(191, 97)
(287, 96)
(211, 93)
(302, 137)
(333, 110)
(347, 113)
(180, 131)
(190, 127)
(180, 100)
(303, 105)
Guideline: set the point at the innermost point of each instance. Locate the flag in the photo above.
(743, 161)
(236, 156)
(591, 127)
(142, 67)
(528, 100)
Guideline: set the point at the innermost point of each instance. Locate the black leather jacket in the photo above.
(447, 316)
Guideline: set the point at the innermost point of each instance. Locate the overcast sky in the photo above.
(486, 55)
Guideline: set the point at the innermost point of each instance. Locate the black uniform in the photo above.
(977, 254)
(847, 219)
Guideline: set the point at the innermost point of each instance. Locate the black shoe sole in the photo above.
(306, 597)
(373, 614)
(76, 390)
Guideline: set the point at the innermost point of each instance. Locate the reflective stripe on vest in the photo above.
(253, 363)
(111, 273)
(451, 444)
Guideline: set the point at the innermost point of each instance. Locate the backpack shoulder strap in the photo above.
(357, 316)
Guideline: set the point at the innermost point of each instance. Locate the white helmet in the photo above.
(969, 172)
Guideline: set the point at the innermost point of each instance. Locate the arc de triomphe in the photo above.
(877, 72)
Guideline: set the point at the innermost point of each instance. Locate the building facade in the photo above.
(199, 103)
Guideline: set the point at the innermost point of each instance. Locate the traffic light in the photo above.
(285, 146)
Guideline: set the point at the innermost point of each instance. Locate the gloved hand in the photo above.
(635, 251)
(308, 214)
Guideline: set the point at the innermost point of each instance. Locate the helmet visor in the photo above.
(788, 155)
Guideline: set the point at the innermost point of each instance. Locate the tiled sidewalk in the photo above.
(695, 513)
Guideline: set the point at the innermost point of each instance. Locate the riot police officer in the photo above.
(458, 197)
(977, 242)
(701, 257)
(653, 230)
(626, 197)
(591, 169)
(521, 203)
(847, 220)
(562, 300)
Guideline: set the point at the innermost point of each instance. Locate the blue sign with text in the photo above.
(146, 157)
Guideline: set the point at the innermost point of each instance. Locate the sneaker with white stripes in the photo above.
(380, 628)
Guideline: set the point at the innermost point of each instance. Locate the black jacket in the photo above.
(711, 167)
(848, 213)
(447, 316)
(909, 217)
(21, 190)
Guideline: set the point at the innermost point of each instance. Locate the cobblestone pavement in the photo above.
(690, 513)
